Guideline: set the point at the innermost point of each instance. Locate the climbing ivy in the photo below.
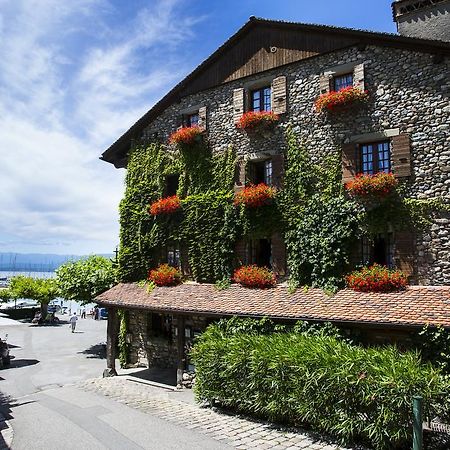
(124, 347)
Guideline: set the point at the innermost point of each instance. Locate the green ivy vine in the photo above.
(124, 346)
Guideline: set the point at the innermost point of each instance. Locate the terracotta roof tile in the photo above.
(415, 306)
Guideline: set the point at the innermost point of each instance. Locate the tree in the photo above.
(41, 290)
(84, 279)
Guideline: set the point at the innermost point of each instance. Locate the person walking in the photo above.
(73, 321)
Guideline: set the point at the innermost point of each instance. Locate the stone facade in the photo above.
(408, 94)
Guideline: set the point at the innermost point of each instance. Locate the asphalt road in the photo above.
(40, 400)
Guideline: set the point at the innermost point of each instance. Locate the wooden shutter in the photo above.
(202, 118)
(324, 84)
(404, 252)
(401, 155)
(240, 175)
(279, 95)
(358, 77)
(278, 170)
(240, 253)
(350, 162)
(278, 254)
(238, 104)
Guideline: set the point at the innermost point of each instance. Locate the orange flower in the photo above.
(376, 278)
(166, 205)
(254, 277)
(254, 196)
(346, 96)
(165, 275)
(378, 185)
(253, 120)
(185, 135)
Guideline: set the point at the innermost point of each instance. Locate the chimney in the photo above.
(426, 19)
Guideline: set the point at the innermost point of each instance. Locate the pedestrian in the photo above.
(73, 322)
(96, 313)
(83, 313)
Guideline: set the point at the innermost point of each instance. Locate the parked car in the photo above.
(103, 313)
(5, 359)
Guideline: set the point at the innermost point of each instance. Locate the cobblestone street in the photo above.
(236, 431)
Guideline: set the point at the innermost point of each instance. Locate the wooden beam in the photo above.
(111, 342)
(180, 350)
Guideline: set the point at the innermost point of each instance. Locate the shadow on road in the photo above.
(158, 375)
(96, 351)
(15, 363)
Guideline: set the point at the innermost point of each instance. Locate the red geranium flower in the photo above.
(254, 196)
(186, 135)
(254, 277)
(254, 120)
(166, 205)
(347, 96)
(165, 275)
(378, 185)
(376, 278)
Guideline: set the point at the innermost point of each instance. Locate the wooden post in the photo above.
(180, 350)
(111, 341)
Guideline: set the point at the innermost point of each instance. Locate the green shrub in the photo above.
(303, 378)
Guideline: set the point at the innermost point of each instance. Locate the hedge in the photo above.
(356, 394)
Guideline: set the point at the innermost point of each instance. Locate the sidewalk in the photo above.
(178, 407)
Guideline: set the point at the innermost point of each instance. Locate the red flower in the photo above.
(254, 277)
(378, 185)
(185, 135)
(346, 96)
(376, 278)
(165, 275)
(254, 196)
(253, 120)
(166, 205)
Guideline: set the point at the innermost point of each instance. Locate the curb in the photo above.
(6, 432)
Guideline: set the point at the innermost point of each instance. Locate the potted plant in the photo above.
(254, 196)
(370, 187)
(257, 121)
(335, 100)
(165, 275)
(254, 276)
(186, 136)
(376, 278)
(167, 205)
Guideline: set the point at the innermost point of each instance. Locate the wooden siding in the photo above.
(253, 54)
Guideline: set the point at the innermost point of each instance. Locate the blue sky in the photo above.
(74, 75)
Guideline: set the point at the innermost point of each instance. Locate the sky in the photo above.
(75, 75)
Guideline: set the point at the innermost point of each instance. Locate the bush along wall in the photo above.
(353, 393)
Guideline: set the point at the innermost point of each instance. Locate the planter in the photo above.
(371, 188)
(258, 122)
(186, 136)
(255, 196)
(376, 278)
(165, 275)
(167, 205)
(337, 101)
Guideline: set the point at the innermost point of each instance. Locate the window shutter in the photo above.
(202, 118)
(350, 162)
(404, 252)
(238, 104)
(184, 260)
(278, 254)
(279, 95)
(278, 170)
(358, 77)
(240, 177)
(401, 155)
(324, 84)
(240, 253)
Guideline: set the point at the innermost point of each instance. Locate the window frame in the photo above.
(375, 157)
(265, 99)
(267, 170)
(345, 84)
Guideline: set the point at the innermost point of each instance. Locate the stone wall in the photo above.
(408, 93)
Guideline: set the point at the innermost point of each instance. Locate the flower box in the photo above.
(376, 278)
(379, 185)
(333, 100)
(166, 205)
(254, 196)
(186, 136)
(254, 276)
(165, 275)
(257, 121)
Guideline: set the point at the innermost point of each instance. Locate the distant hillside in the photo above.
(35, 262)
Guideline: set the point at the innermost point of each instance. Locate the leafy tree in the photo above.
(41, 290)
(84, 279)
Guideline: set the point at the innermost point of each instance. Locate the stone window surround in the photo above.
(375, 136)
(250, 86)
(342, 69)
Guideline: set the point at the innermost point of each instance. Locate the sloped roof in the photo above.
(117, 151)
(414, 307)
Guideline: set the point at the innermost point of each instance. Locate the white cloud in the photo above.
(71, 81)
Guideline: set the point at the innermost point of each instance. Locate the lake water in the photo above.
(70, 305)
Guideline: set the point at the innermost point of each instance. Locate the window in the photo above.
(342, 81)
(191, 120)
(261, 172)
(375, 157)
(173, 256)
(159, 325)
(378, 250)
(172, 183)
(259, 252)
(261, 99)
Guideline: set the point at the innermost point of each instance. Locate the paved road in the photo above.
(46, 410)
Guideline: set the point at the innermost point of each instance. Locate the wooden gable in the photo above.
(263, 48)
